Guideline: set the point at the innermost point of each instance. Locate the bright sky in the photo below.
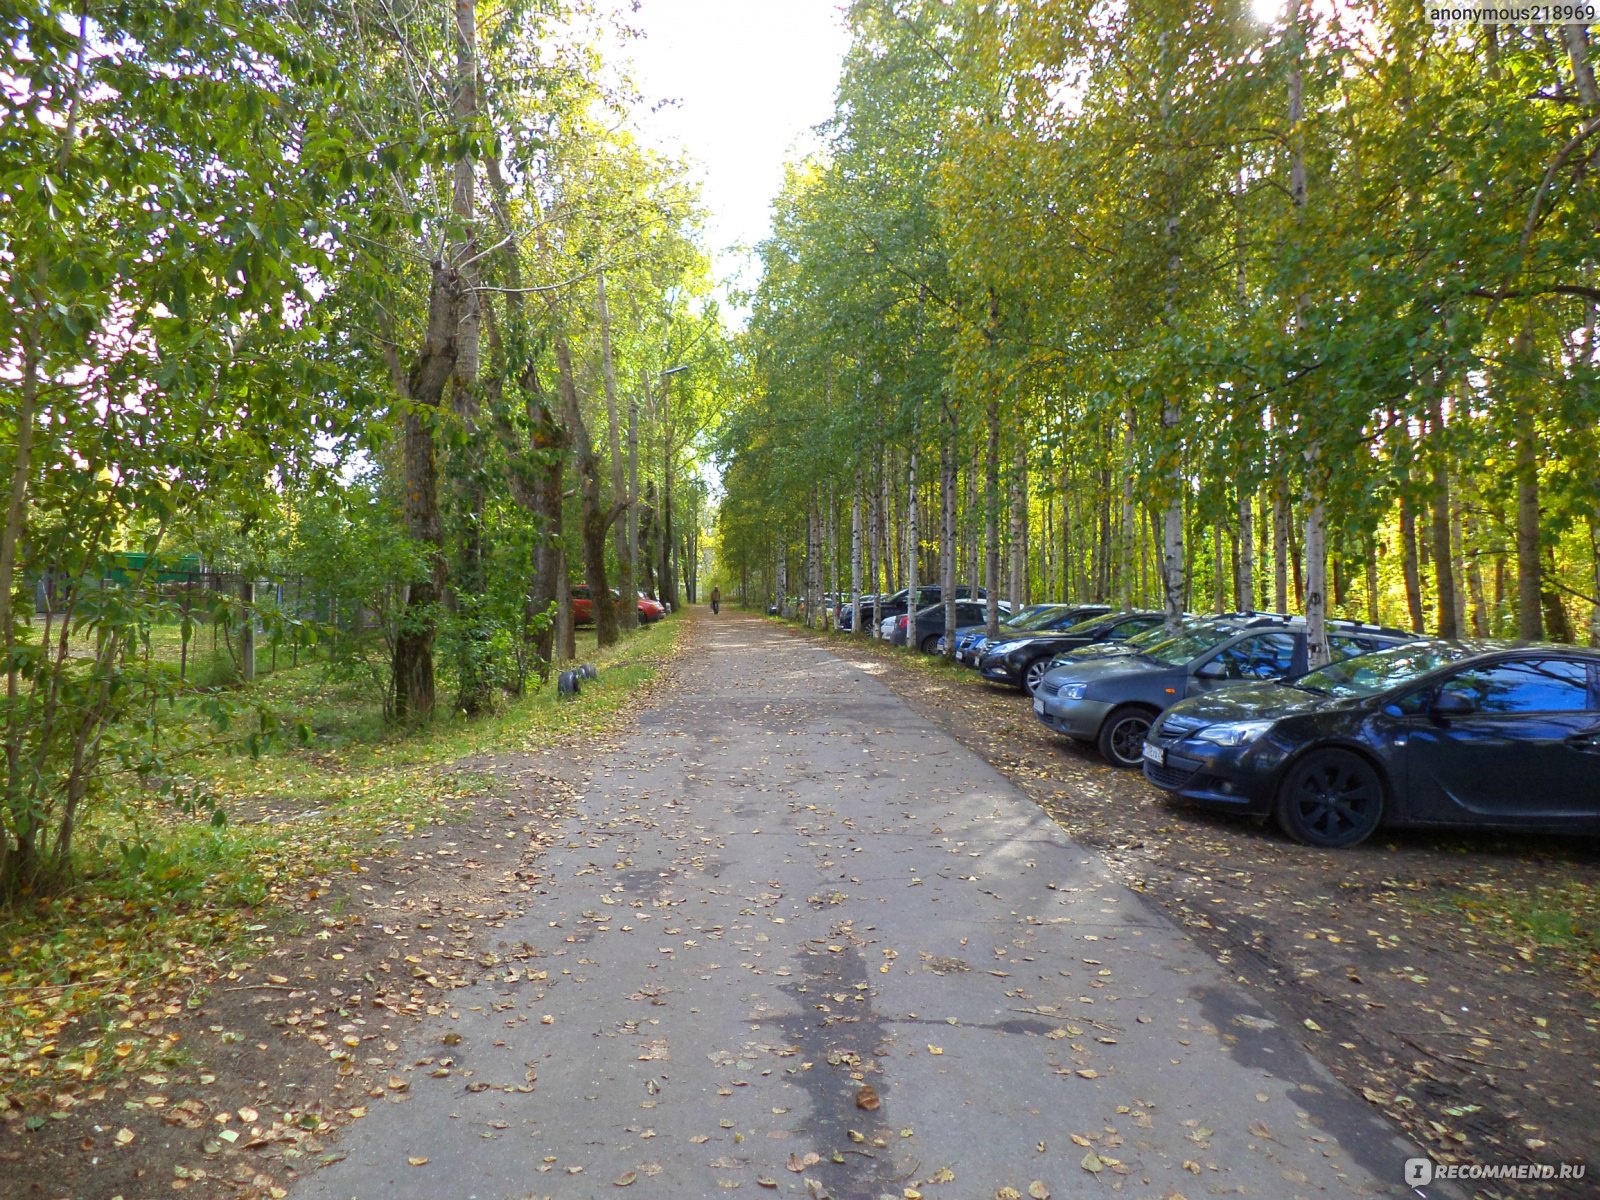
(748, 80)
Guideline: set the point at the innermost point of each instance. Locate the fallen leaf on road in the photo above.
(418, 1160)
(625, 1179)
(1038, 1190)
(1091, 1163)
(867, 1098)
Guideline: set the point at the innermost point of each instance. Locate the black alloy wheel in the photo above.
(1330, 799)
(927, 644)
(1122, 736)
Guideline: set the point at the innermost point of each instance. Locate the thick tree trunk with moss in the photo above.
(595, 521)
(435, 365)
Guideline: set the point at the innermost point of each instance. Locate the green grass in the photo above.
(86, 978)
(1564, 917)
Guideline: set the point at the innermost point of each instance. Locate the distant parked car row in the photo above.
(1397, 730)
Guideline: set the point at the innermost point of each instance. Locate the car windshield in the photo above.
(1369, 674)
(1085, 625)
(1189, 645)
(1033, 619)
(1154, 637)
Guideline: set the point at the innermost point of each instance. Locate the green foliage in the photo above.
(1201, 260)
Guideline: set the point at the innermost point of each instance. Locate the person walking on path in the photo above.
(716, 600)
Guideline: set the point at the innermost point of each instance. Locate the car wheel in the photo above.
(927, 644)
(1122, 736)
(1331, 799)
(1034, 674)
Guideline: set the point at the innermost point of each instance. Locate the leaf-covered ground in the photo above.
(202, 1025)
(1454, 981)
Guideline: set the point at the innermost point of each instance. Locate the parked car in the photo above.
(929, 593)
(930, 623)
(1138, 643)
(966, 634)
(1112, 702)
(1022, 658)
(583, 605)
(845, 618)
(970, 648)
(1434, 733)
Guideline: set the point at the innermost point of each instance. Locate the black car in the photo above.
(1434, 733)
(896, 606)
(1023, 658)
(1137, 644)
(1113, 701)
(930, 622)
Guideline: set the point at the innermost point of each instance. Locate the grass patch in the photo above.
(91, 979)
(1562, 917)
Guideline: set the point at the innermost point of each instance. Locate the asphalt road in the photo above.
(786, 887)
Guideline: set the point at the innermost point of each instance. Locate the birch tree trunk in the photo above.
(1018, 591)
(1245, 585)
(621, 497)
(875, 553)
(991, 522)
(782, 573)
(855, 555)
(1443, 559)
(913, 539)
(947, 479)
(1280, 542)
(1128, 531)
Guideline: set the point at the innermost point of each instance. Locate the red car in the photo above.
(583, 606)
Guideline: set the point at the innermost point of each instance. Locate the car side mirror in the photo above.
(1452, 704)
(1211, 670)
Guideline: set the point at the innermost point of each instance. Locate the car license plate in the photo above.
(1155, 754)
(958, 656)
(1038, 706)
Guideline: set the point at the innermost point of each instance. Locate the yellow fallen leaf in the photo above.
(417, 1160)
(1038, 1190)
(1089, 1073)
(124, 1136)
(625, 1180)
(1091, 1163)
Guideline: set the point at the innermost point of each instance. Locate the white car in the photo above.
(886, 628)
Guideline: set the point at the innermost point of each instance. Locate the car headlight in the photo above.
(1233, 733)
(1003, 648)
(1072, 691)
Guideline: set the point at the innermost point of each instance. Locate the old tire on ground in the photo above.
(1331, 799)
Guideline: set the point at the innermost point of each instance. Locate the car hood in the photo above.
(1092, 670)
(1255, 701)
